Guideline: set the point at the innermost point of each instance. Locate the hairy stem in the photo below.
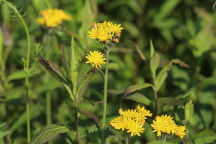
(105, 95)
(76, 126)
(26, 68)
(155, 97)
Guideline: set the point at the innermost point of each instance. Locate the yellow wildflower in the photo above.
(143, 111)
(180, 131)
(96, 59)
(119, 123)
(134, 127)
(52, 17)
(131, 120)
(164, 124)
(105, 31)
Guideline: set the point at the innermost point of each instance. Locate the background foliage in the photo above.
(183, 29)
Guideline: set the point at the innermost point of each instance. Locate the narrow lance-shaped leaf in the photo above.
(161, 77)
(151, 48)
(73, 64)
(56, 73)
(139, 98)
(91, 115)
(48, 133)
(154, 64)
(87, 16)
(189, 111)
(135, 88)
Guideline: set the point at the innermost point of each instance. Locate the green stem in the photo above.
(105, 94)
(76, 125)
(48, 108)
(4, 84)
(155, 97)
(26, 67)
(127, 139)
(48, 3)
(164, 139)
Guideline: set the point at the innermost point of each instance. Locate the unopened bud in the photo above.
(94, 25)
(120, 111)
(116, 40)
(118, 34)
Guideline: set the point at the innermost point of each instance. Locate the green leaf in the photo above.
(169, 101)
(35, 111)
(161, 77)
(53, 70)
(19, 75)
(151, 48)
(139, 98)
(73, 64)
(3, 134)
(154, 64)
(204, 137)
(137, 87)
(167, 8)
(189, 111)
(48, 133)
(56, 73)
(90, 115)
(202, 42)
(87, 17)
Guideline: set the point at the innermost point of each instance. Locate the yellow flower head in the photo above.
(164, 124)
(131, 120)
(180, 131)
(134, 127)
(105, 31)
(119, 123)
(96, 59)
(143, 111)
(52, 17)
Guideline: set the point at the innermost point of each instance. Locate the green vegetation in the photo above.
(163, 59)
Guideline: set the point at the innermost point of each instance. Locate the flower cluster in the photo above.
(131, 120)
(166, 124)
(52, 17)
(106, 31)
(96, 59)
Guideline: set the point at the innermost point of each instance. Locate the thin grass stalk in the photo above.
(48, 109)
(155, 97)
(4, 84)
(105, 95)
(26, 68)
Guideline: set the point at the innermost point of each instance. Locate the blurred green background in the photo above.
(183, 29)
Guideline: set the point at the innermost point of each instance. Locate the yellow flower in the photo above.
(180, 131)
(131, 125)
(164, 124)
(119, 123)
(134, 127)
(105, 31)
(96, 59)
(52, 17)
(143, 111)
(131, 120)
(114, 28)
